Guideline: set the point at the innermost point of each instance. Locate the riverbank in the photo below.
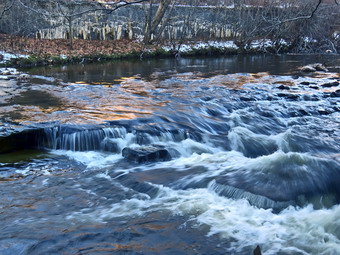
(26, 52)
(39, 52)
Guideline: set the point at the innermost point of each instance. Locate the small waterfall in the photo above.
(110, 138)
(82, 138)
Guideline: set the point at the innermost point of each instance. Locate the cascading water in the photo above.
(196, 164)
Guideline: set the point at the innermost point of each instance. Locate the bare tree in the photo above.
(303, 23)
(71, 10)
(154, 18)
(5, 6)
(308, 25)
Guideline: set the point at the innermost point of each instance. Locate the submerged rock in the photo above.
(145, 154)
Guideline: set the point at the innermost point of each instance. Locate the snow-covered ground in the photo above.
(185, 48)
(224, 45)
(8, 56)
(265, 43)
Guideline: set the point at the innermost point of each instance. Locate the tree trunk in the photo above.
(70, 32)
(153, 22)
(148, 21)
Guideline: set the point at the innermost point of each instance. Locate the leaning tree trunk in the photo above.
(153, 23)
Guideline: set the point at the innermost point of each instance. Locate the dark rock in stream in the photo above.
(298, 113)
(257, 251)
(310, 98)
(283, 87)
(335, 93)
(27, 139)
(145, 154)
(330, 84)
(207, 98)
(288, 96)
(331, 94)
(325, 111)
(247, 99)
(337, 109)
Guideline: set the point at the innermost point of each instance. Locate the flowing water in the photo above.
(174, 156)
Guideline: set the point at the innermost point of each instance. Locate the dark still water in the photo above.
(186, 156)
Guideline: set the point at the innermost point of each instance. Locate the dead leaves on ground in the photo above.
(52, 47)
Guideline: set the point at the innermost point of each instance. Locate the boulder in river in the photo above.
(257, 251)
(23, 76)
(313, 68)
(153, 153)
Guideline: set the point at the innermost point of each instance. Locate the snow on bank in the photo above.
(185, 48)
(222, 45)
(9, 71)
(8, 56)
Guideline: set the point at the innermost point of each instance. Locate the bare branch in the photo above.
(113, 7)
(301, 17)
(6, 8)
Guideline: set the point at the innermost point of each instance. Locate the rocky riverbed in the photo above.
(189, 157)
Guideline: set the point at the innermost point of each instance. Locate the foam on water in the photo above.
(91, 159)
(283, 178)
(261, 168)
(292, 231)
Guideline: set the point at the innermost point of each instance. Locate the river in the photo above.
(172, 156)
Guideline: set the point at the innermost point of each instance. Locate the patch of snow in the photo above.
(309, 40)
(8, 71)
(265, 43)
(261, 44)
(185, 48)
(8, 56)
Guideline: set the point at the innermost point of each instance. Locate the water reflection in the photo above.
(38, 98)
(116, 71)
